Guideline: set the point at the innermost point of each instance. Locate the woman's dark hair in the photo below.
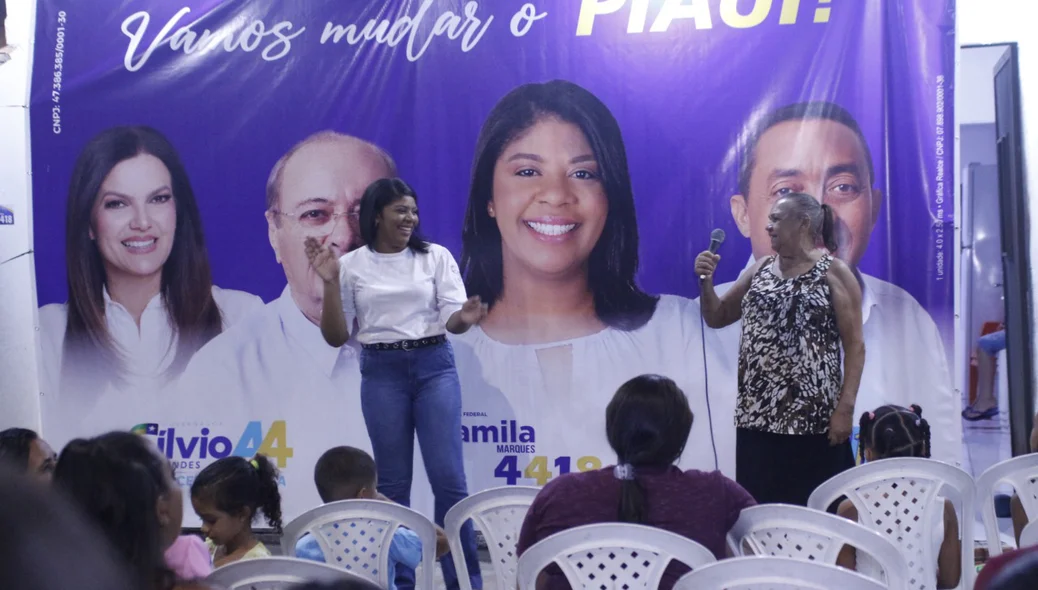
(893, 431)
(117, 479)
(820, 216)
(377, 196)
(1020, 573)
(613, 263)
(15, 444)
(47, 545)
(187, 284)
(647, 424)
(236, 485)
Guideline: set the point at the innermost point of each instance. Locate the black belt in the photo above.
(407, 344)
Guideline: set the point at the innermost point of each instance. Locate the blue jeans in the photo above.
(404, 392)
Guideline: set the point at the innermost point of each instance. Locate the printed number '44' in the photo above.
(274, 444)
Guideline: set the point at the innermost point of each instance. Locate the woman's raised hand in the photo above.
(324, 262)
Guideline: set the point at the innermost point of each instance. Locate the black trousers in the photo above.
(786, 468)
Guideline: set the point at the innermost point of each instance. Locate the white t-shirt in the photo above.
(148, 351)
(400, 296)
(520, 428)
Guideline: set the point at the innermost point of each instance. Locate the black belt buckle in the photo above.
(406, 344)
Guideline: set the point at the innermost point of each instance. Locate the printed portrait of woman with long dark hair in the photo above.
(141, 298)
(550, 242)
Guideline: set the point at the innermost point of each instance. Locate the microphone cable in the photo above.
(706, 380)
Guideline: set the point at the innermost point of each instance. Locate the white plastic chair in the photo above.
(612, 555)
(1021, 473)
(774, 573)
(355, 535)
(1029, 536)
(779, 530)
(895, 497)
(499, 514)
(275, 573)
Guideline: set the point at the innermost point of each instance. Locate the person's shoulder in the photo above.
(439, 252)
(577, 484)
(887, 293)
(235, 305)
(675, 305)
(236, 299)
(840, 270)
(53, 314)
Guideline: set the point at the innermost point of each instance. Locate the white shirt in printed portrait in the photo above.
(147, 350)
(533, 410)
(905, 363)
(276, 367)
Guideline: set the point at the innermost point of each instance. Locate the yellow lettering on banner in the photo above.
(790, 9)
(275, 444)
(538, 470)
(589, 9)
(589, 463)
(731, 16)
(698, 10)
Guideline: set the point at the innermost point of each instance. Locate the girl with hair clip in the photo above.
(647, 424)
(141, 298)
(228, 496)
(893, 431)
(550, 243)
(123, 484)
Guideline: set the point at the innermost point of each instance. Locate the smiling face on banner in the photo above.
(548, 201)
(318, 191)
(135, 218)
(822, 158)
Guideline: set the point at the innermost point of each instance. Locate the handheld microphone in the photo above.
(716, 239)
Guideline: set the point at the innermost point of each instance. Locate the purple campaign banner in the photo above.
(234, 85)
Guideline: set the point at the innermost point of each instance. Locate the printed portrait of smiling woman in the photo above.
(550, 242)
(140, 295)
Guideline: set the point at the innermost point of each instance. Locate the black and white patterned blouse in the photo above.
(789, 356)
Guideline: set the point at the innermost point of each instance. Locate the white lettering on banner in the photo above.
(524, 19)
(699, 12)
(249, 39)
(383, 32)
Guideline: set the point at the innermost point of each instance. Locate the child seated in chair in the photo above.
(347, 473)
(893, 431)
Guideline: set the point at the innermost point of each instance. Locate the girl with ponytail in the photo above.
(890, 432)
(228, 496)
(647, 424)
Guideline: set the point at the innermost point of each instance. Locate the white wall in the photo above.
(976, 101)
(19, 383)
(1004, 21)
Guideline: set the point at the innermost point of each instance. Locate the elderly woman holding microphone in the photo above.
(406, 294)
(795, 407)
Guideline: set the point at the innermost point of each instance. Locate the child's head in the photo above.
(345, 473)
(124, 485)
(893, 431)
(228, 494)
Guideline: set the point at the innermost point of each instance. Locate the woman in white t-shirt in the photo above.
(551, 244)
(141, 299)
(405, 294)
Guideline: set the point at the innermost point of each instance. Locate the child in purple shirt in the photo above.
(647, 423)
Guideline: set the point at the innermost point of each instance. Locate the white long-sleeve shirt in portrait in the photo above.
(531, 412)
(147, 352)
